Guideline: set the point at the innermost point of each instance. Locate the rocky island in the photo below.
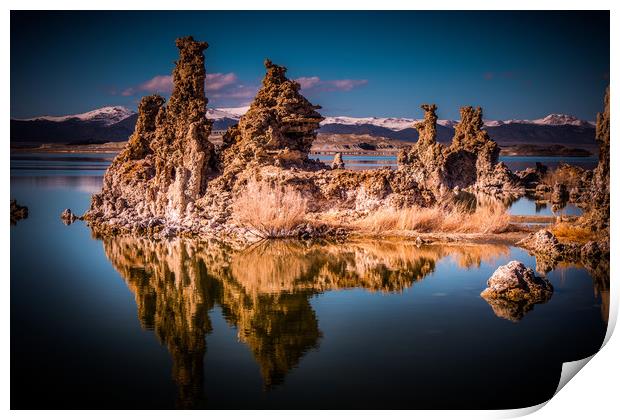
(259, 183)
(171, 180)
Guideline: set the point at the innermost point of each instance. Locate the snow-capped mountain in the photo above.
(115, 123)
(395, 124)
(106, 116)
(561, 119)
(231, 113)
(554, 128)
(398, 124)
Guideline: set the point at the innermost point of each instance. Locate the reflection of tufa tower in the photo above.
(173, 295)
(176, 283)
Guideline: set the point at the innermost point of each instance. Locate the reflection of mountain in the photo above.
(263, 291)
(84, 183)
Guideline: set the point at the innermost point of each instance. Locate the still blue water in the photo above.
(515, 163)
(129, 323)
(527, 206)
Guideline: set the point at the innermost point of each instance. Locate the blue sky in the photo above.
(513, 64)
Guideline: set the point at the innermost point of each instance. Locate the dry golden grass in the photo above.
(568, 232)
(492, 218)
(270, 212)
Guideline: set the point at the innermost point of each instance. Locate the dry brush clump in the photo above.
(570, 232)
(270, 211)
(491, 218)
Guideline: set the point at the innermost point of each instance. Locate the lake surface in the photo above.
(130, 323)
(515, 163)
(528, 206)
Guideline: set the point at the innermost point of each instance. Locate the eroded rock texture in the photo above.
(338, 163)
(168, 159)
(68, 217)
(278, 128)
(597, 216)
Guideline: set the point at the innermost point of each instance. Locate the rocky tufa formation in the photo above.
(471, 160)
(170, 180)
(168, 159)
(278, 128)
(513, 289)
(597, 216)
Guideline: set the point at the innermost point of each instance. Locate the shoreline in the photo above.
(517, 150)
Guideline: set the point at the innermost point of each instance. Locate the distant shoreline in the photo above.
(323, 148)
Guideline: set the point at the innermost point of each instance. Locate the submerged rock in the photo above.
(513, 289)
(515, 281)
(18, 212)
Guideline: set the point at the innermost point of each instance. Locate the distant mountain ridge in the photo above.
(116, 123)
(106, 116)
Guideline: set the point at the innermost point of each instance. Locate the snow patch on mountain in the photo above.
(560, 119)
(221, 113)
(395, 124)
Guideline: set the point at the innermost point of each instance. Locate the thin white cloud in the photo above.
(308, 82)
(217, 81)
(163, 84)
(316, 83)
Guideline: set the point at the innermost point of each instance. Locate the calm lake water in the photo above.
(131, 323)
(515, 163)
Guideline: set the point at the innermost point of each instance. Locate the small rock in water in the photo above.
(513, 289)
(68, 217)
(515, 281)
(18, 212)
